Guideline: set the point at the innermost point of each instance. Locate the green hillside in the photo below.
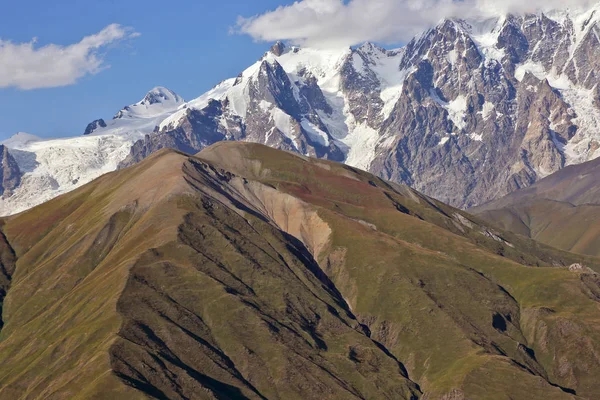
(247, 272)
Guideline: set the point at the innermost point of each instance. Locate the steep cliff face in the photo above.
(11, 175)
(473, 122)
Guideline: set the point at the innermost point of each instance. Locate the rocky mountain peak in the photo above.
(278, 48)
(94, 125)
(370, 49)
(157, 101)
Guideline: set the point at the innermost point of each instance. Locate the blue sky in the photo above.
(185, 46)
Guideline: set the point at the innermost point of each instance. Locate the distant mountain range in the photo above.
(466, 112)
(562, 210)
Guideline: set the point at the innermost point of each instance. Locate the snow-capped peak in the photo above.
(157, 101)
(162, 95)
(369, 48)
(20, 139)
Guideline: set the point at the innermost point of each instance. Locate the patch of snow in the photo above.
(315, 133)
(457, 111)
(265, 105)
(283, 122)
(238, 98)
(362, 142)
(391, 79)
(484, 34)
(359, 64)
(452, 57)
(536, 69)
(443, 140)
(486, 110)
(476, 137)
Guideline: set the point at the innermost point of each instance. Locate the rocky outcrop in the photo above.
(92, 126)
(278, 48)
(11, 175)
(469, 125)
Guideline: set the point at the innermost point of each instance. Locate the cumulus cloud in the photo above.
(344, 23)
(26, 66)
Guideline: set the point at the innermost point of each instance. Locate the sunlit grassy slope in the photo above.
(247, 272)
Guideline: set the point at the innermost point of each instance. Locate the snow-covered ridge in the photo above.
(20, 139)
(157, 102)
(326, 67)
(51, 167)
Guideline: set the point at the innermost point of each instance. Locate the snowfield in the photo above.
(54, 167)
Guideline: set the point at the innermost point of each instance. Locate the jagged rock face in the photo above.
(362, 87)
(278, 48)
(11, 175)
(275, 111)
(199, 129)
(464, 112)
(509, 128)
(92, 126)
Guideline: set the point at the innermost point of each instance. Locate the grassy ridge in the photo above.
(409, 276)
(247, 272)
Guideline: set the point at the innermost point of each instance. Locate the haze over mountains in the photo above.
(466, 112)
(248, 272)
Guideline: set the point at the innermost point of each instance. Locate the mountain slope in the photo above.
(89, 286)
(247, 272)
(567, 202)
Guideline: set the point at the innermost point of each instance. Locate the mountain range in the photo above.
(246, 272)
(466, 112)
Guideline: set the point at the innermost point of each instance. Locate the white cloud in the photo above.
(25, 66)
(344, 23)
